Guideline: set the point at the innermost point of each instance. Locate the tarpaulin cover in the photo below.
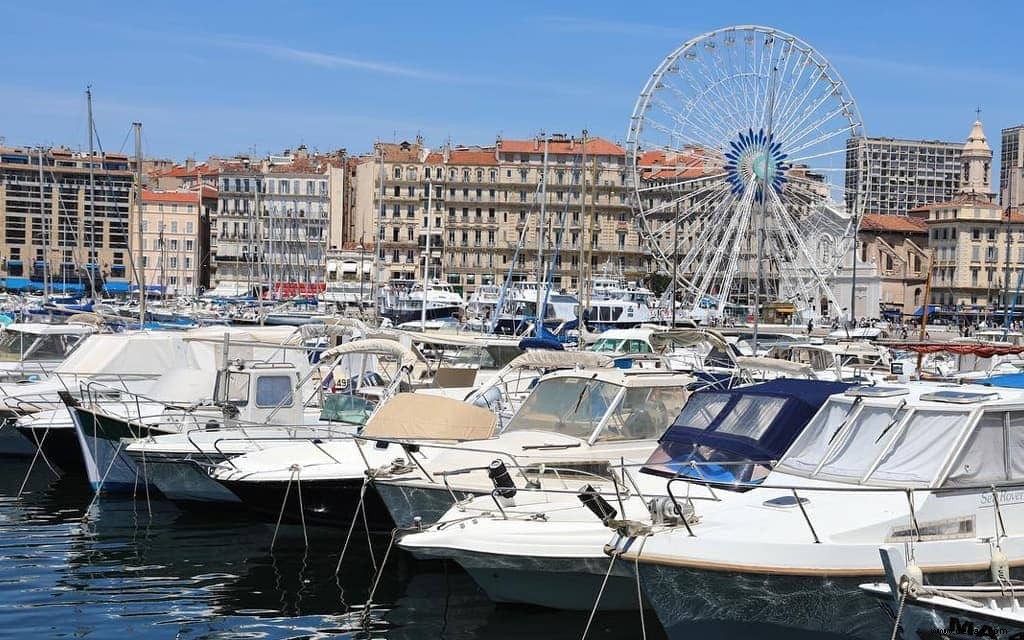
(980, 350)
(733, 428)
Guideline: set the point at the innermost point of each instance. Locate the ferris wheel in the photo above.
(742, 146)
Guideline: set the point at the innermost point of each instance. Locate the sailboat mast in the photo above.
(91, 219)
(583, 233)
(766, 160)
(141, 270)
(426, 259)
(46, 231)
(541, 220)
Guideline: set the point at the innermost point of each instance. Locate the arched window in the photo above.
(917, 296)
(494, 175)
(438, 173)
(465, 175)
(398, 173)
(452, 174)
(411, 173)
(479, 175)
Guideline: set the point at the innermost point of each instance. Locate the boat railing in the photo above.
(909, 492)
(315, 439)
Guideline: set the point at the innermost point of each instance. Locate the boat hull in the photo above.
(569, 584)
(59, 444)
(411, 505)
(922, 619)
(754, 604)
(12, 443)
(332, 502)
(107, 465)
(185, 482)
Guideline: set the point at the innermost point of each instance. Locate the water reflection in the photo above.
(126, 567)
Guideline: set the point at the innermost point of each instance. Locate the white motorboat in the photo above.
(260, 478)
(546, 547)
(32, 350)
(931, 464)
(578, 422)
(176, 460)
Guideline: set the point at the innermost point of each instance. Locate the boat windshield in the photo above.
(17, 345)
(645, 412)
(850, 442)
(570, 406)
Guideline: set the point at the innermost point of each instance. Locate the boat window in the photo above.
(981, 460)
(232, 388)
(645, 412)
(52, 347)
(751, 416)
(571, 406)
(607, 345)
(921, 447)
(342, 407)
(1015, 444)
(273, 391)
(638, 346)
(808, 449)
(857, 449)
(13, 344)
(702, 409)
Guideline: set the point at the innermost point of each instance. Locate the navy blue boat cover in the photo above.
(740, 441)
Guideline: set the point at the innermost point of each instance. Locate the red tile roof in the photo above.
(660, 165)
(892, 223)
(595, 147)
(472, 156)
(964, 203)
(180, 171)
(188, 197)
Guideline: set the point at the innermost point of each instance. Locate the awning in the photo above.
(932, 308)
(116, 287)
(150, 288)
(16, 284)
(14, 262)
(980, 350)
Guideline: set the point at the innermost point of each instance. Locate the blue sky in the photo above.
(229, 77)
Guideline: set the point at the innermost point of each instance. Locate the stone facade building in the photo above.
(485, 202)
(175, 239)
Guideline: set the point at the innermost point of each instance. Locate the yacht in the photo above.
(260, 479)
(403, 300)
(929, 465)
(544, 547)
(579, 422)
(269, 415)
(32, 350)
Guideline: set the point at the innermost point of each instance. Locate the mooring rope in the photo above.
(600, 593)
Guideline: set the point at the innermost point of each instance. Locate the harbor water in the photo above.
(137, 568)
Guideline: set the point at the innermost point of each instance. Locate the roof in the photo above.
(181, 171)
(892, 223)
(186, 197)
(594, 146)
(953, 203)
(976, 141)
(473, 156)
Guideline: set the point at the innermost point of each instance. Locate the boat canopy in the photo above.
(404, 355)
(754, 423)
(420, 416)
(678, 338)
(775, 365)
(560, 360)
(138, 353)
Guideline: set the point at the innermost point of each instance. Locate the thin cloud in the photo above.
(913, 69)
(583, 25)
(326, 60)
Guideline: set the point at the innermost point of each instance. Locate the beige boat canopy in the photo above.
(420, 416)
(404, 355)
(775, 365)
(662, 340)
(541, 359)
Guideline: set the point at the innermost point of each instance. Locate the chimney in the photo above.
(572, 143)
(302, 152)
(190, 164)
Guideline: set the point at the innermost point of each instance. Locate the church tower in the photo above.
(976, 179)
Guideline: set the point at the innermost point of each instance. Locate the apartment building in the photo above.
(893, 176)
(483, 206)
(978, 248)
(1011, 167)
(70, 224)
(175, 239)
(277, 216)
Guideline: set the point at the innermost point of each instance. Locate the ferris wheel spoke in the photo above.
(695, 209)
(814, 86)
(731, 110)
(691, 111)
(733, 267)
(787, 223)
(722, 235)
(710, 87)
(714, 219)
(825, 121)
(786, 100)
(669, 186)
(824, 137)
(797, 121)
(706, 129)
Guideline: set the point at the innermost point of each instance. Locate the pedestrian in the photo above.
(810, 326)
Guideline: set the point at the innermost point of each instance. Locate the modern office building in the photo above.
(893, 176)
(1011, 168)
